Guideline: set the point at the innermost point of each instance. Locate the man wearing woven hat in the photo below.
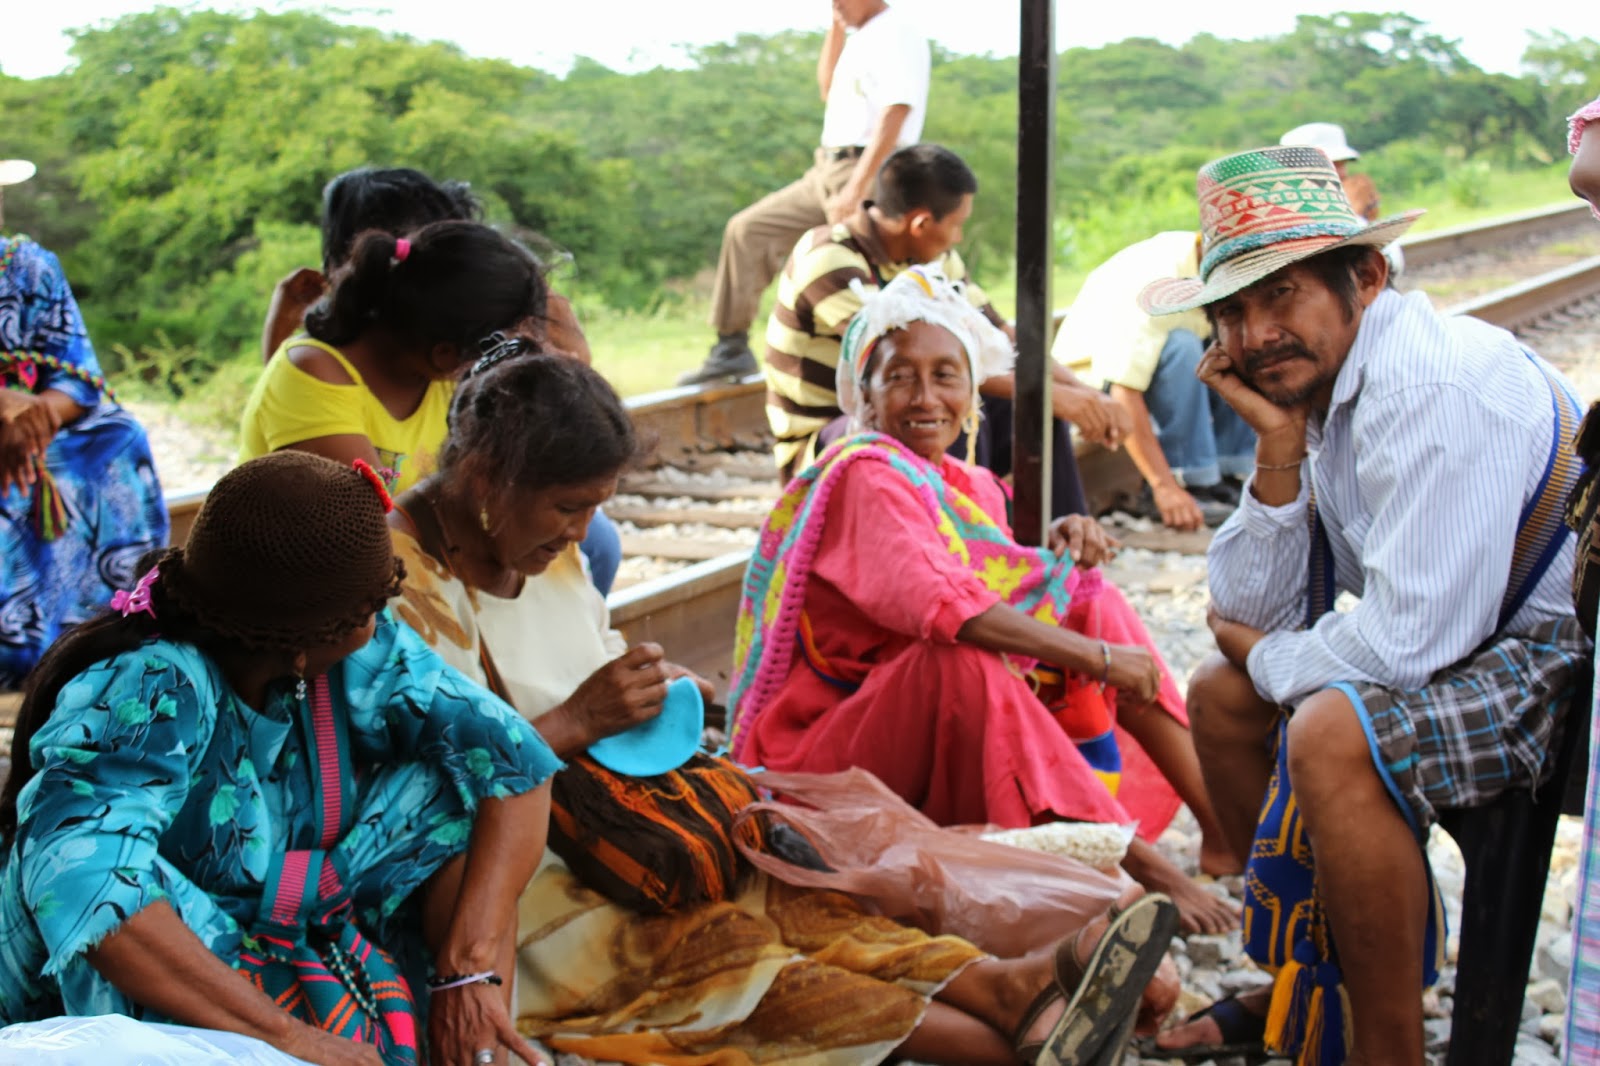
(1409, 459)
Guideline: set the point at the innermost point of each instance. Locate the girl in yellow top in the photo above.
(372, 376)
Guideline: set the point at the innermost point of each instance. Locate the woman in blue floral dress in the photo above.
(247, 799)
(79, 500)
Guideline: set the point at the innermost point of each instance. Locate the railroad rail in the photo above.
(685, 425)
(1429, 249)
(1522, 304)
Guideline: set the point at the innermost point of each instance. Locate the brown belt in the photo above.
(853, 151)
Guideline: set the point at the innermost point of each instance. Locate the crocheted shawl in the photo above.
(1033, 580)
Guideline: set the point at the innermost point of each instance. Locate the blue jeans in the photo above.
(1201, 436)
(603, 548)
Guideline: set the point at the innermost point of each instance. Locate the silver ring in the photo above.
(483, 1057)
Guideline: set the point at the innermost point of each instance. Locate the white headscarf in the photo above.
(919, 294)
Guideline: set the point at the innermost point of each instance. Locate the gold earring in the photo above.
(483, 518)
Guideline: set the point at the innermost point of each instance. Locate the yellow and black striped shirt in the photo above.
(815, 304)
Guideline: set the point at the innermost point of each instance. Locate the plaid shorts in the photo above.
(1477, 728)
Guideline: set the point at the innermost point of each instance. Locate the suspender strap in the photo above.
(1542, 527)
(302, 884)
(1320, 588)
(332, 776)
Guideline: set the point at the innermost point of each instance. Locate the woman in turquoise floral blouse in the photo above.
(247, 799)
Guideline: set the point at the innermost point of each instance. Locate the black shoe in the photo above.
(1222, 492)
(1212, 511)
(730, 357)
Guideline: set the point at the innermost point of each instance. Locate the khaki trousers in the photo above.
(757, 241)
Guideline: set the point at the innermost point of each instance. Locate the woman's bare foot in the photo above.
(1199, 911)
(1204, 1031)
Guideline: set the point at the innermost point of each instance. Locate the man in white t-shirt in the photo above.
(873, 73)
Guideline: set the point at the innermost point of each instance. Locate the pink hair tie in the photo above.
(130, 603)
(402, 248)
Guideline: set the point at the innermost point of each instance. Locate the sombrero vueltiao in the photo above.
(1261, 211)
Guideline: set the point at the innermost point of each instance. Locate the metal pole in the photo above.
(1036, 135)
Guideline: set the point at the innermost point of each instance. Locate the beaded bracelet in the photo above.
(1105, 669)
(456, 980)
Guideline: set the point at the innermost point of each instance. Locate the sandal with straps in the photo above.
(1101, 996)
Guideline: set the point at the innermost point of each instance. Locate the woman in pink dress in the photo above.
(890, 621)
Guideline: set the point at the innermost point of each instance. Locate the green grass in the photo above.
(1499, 193)
(645, 352)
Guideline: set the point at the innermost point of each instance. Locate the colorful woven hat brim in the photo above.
(1170, 295)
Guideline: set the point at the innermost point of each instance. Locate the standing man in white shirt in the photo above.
(873, 75)
(1418, 461)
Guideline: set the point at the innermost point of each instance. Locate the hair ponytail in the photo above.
(359, 291)
(457, 283)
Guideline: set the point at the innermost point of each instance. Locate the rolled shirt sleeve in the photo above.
(1257, 562)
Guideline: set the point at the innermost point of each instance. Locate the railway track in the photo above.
(713, 474)
(1440, 246)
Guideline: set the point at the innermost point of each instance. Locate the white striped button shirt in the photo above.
(1438, 433)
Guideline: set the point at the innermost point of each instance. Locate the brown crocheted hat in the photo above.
(289, 550)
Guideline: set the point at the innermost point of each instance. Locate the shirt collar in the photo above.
(1375, 322)
(872, 243)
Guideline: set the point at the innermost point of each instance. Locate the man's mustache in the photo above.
(1255, 361)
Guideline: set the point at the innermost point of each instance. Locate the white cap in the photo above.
(16, 171)
(1325, 135)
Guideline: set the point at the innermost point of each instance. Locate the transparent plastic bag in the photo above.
(117, 1040)
(878, 848)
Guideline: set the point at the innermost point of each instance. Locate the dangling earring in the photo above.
(299, 688)
(483, 517)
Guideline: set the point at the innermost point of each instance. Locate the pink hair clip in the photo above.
(402, 248)
(364, 468)
(130, 603)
